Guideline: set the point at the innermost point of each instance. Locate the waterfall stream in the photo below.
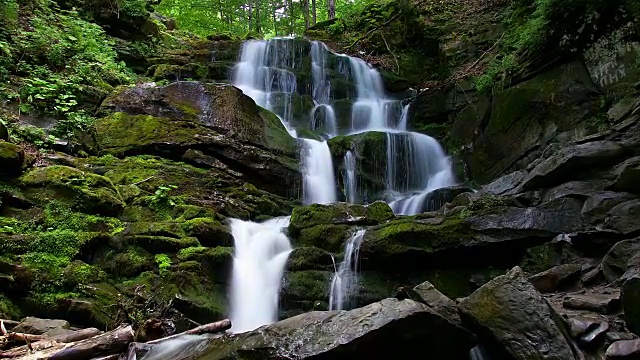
(346, 97)
(345, 280)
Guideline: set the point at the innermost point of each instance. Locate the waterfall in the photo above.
(345, 280)
(319, 181)
(350, 177)
(260, 255)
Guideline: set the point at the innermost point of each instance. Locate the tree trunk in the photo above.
(250, 15)
(258, 25)
(306, 14)
(52, 342)
(332, 8)
(292, 18)
(314, 12)
(210, 328)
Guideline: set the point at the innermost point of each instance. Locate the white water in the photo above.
(260, 255)
(319, 186)
(345, 280)
(350, 177)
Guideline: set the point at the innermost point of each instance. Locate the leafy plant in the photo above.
(164, 263)
(162, 197)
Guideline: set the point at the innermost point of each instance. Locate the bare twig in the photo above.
(145, 180)
(392, 53)
(372, 31)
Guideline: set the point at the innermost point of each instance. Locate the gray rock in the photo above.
(628, 176)
(581, 189)
(4, 133)
(624, 217)
(506, 184)
(429, 295)
(570, 162)
(389, 328)
(556, 278)
(622, 108)
(511, 314)
(624, 350)
(594, 334)
(630, 298)
(37, 326)
(600, 303)
(596, 207)
(616, 262)
(587, 330)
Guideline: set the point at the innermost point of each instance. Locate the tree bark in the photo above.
(210, 328)
(292, 18)
(331, 5)
(258, 22)
(306, 13)
(52, 342)
(314, 12)
(250, 15)
(112, 342)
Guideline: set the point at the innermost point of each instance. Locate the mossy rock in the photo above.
(11, 158)
(305, 217)
(302, 289)
(159, 244)
(8, 310)
(209, 232)
(177, 72)
(83, 191)
(217, 260)
(327, 237)
(167, 229)
(309, 258)
(128, 262)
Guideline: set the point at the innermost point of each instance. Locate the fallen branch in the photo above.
(484, 53)
(145, 180)
(8, 323)
(210, 328)
(391, 52)
(393, 18)
(53, 341)
(115, 341)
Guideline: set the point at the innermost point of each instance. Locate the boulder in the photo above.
(598, 205)
(4, 132)
(616, 262)
(600, 303)
(586, 329)
(573, 161)
(37, 326)
(624, 217)
(427, 294)
(389, 328)
(479, 236)
(11, 158)
(218, 120)
(624, 350)
(556, 278)
(628, 176)
(577, 189)
(505, 185)
(630, 297)
(510, 314)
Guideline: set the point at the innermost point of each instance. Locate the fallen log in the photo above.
(210, 328)
(9, 324)
(115, 341)
(51, 342)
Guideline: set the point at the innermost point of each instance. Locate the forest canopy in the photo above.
(269, 18)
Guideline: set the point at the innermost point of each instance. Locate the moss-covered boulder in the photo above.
(304, 217)
(217, 120)
(209, 232)
(11, 158)
(82, 190)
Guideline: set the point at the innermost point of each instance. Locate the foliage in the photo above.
(164, 263)
(239, 18)
(161, 196)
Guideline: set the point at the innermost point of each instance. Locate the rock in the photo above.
(543, 257)
(4, 133)
(218, 120)
(505, 185)
(597, 205)
(476, 236)
(305, 217)
(630, 297)
(600, 303)
(84, 191)
(578, 189)
(570, 162)
(595, 334)
(209, 232)
(581, 325)
(556, 278)
(616, 262)
(11, 158)
(623, 217)
(628, 176)
(37, 326)
(387, 328)
(429, 295)
(624, 350)
(509, 313)
(622, 108)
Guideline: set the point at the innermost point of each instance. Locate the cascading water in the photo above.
(345, 280)
(350, 177)
(260, 255)
(278, 76)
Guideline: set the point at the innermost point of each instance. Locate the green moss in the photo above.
(164, 263)
(379, 212)
(214, 257)
(128, 263)
(208, 231)
(160, 244)
(309, 258)
(83, 191)
(303, 288)
(327, 237)
(8, 310)
(168, 229)
(80, 273)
